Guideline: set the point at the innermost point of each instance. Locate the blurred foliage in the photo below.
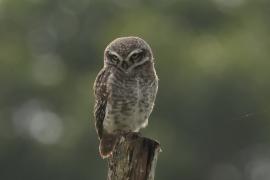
(212, 110)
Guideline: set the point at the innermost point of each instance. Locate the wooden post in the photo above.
(134, 158)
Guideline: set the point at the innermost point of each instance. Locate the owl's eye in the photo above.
(136, 56)
(114, 58)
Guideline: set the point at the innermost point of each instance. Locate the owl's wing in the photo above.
(101, 95)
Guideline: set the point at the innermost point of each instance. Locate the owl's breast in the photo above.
(129, 105)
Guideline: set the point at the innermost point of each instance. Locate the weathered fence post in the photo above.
(134, 158)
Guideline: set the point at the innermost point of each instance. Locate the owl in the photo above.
(125, 90)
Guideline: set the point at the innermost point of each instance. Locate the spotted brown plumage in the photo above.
(125, 90)
(101, 94)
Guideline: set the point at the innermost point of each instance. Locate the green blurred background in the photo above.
(212, 110)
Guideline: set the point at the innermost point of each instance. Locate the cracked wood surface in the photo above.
(134, 158)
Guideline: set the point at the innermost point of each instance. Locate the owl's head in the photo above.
(127, 53)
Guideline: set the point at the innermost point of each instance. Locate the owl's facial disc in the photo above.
(128, 62)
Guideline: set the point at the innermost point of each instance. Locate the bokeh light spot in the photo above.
(33, 120)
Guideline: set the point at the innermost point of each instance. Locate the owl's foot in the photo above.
(127, 133)
(120, 132)
(132, 135)
(138, 133)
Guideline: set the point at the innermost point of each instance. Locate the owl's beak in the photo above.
(124, 65)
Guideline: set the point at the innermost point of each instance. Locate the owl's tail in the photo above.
(107, 144)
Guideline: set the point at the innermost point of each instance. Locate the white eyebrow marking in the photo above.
(139, 63)
(116, 54)
(133, 52)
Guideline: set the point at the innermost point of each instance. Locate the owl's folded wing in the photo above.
(101, 95)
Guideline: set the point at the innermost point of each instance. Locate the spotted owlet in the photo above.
(125, 90)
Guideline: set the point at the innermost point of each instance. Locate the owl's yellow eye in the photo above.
(114, 58)
(136, 56)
